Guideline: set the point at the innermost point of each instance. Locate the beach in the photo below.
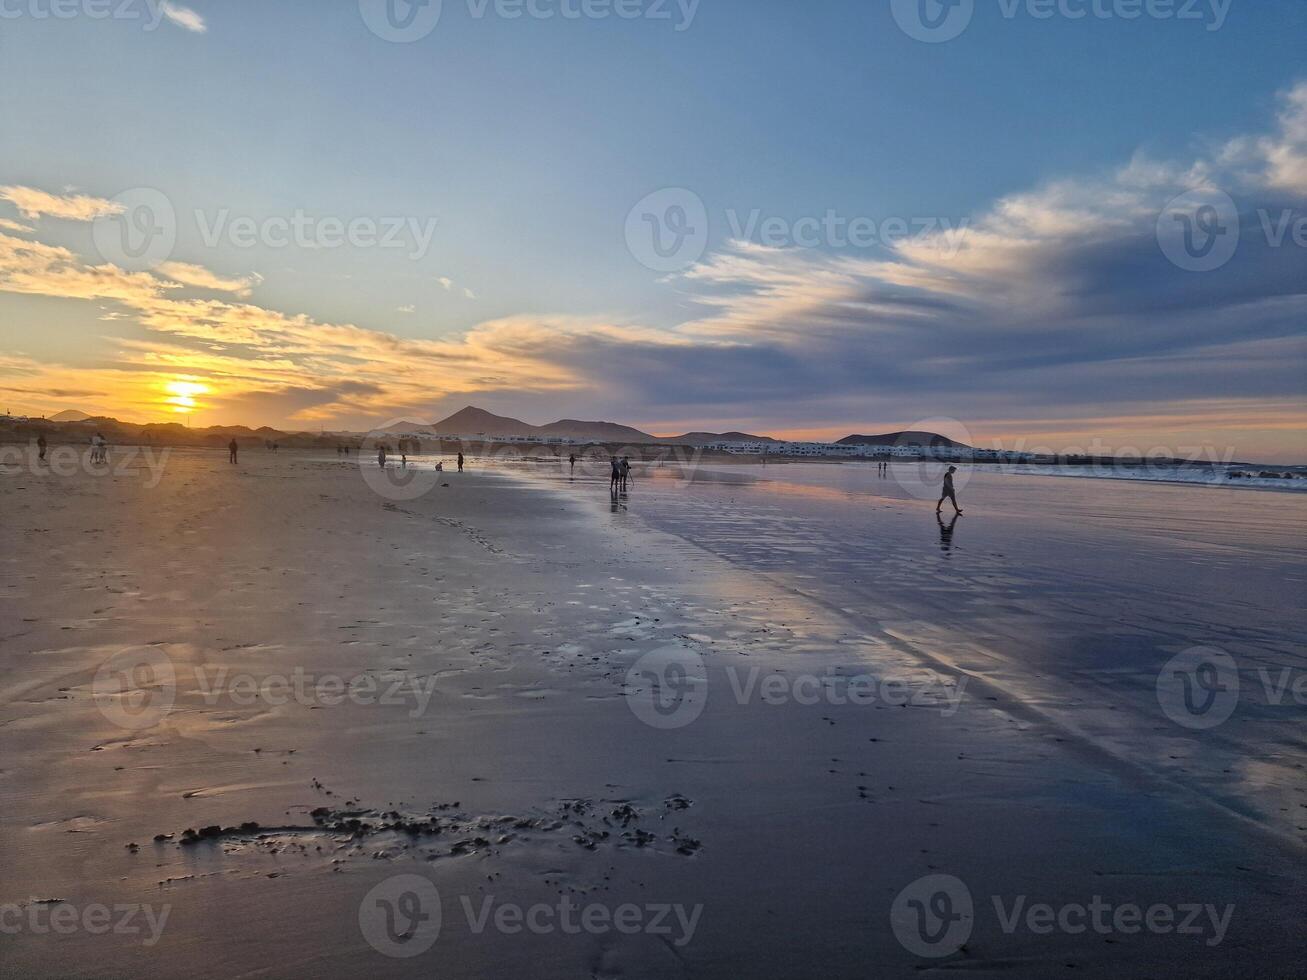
(731, 723)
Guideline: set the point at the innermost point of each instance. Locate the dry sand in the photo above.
(493, 745)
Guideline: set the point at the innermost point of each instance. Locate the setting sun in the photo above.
(181, 395)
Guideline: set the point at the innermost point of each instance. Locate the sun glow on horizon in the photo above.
(182, 395)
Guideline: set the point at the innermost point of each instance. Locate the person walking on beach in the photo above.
(381, 456)
(615, 480)
(40, 447)
(460, 462)
(949, 494)
(625, 470)
(232, 449)
(571, 461)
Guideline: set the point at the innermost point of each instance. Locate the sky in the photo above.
(1039, 224)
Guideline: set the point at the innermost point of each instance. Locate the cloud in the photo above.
(407, 309)
(202, 278)
(33, 204)
(468, 294)
(184, 17)
(7, 225)
(1055, 314)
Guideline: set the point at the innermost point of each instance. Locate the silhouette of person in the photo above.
(232, 450)
(571, 461)
(40, 447)
(615, 480)
(625, 470)
(381, 456)
(460, 462)
(948, 492)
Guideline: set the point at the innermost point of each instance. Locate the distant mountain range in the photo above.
(472, 421)
(478, 422)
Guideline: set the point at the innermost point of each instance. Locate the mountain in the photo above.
(404, 427)
(907, 438)
(478, 422)
(705, 438)
(594, 432)
(71, 415)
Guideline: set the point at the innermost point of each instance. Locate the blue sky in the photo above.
(528, 141)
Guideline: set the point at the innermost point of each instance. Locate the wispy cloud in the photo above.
(184, 17)
(1056, 313)
(202, 278)
(33, 204)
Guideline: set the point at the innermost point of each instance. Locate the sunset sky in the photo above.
(493, 172)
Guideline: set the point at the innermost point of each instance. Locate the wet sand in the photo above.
(494, 741)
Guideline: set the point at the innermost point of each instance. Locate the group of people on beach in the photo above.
(621, 475)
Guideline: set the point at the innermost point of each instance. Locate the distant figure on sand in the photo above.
(949, 493)
(40, 447)
(232, 450)
(571, 461)
(625, 470)
(381, 456)
(460, 462)
(615, 480)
